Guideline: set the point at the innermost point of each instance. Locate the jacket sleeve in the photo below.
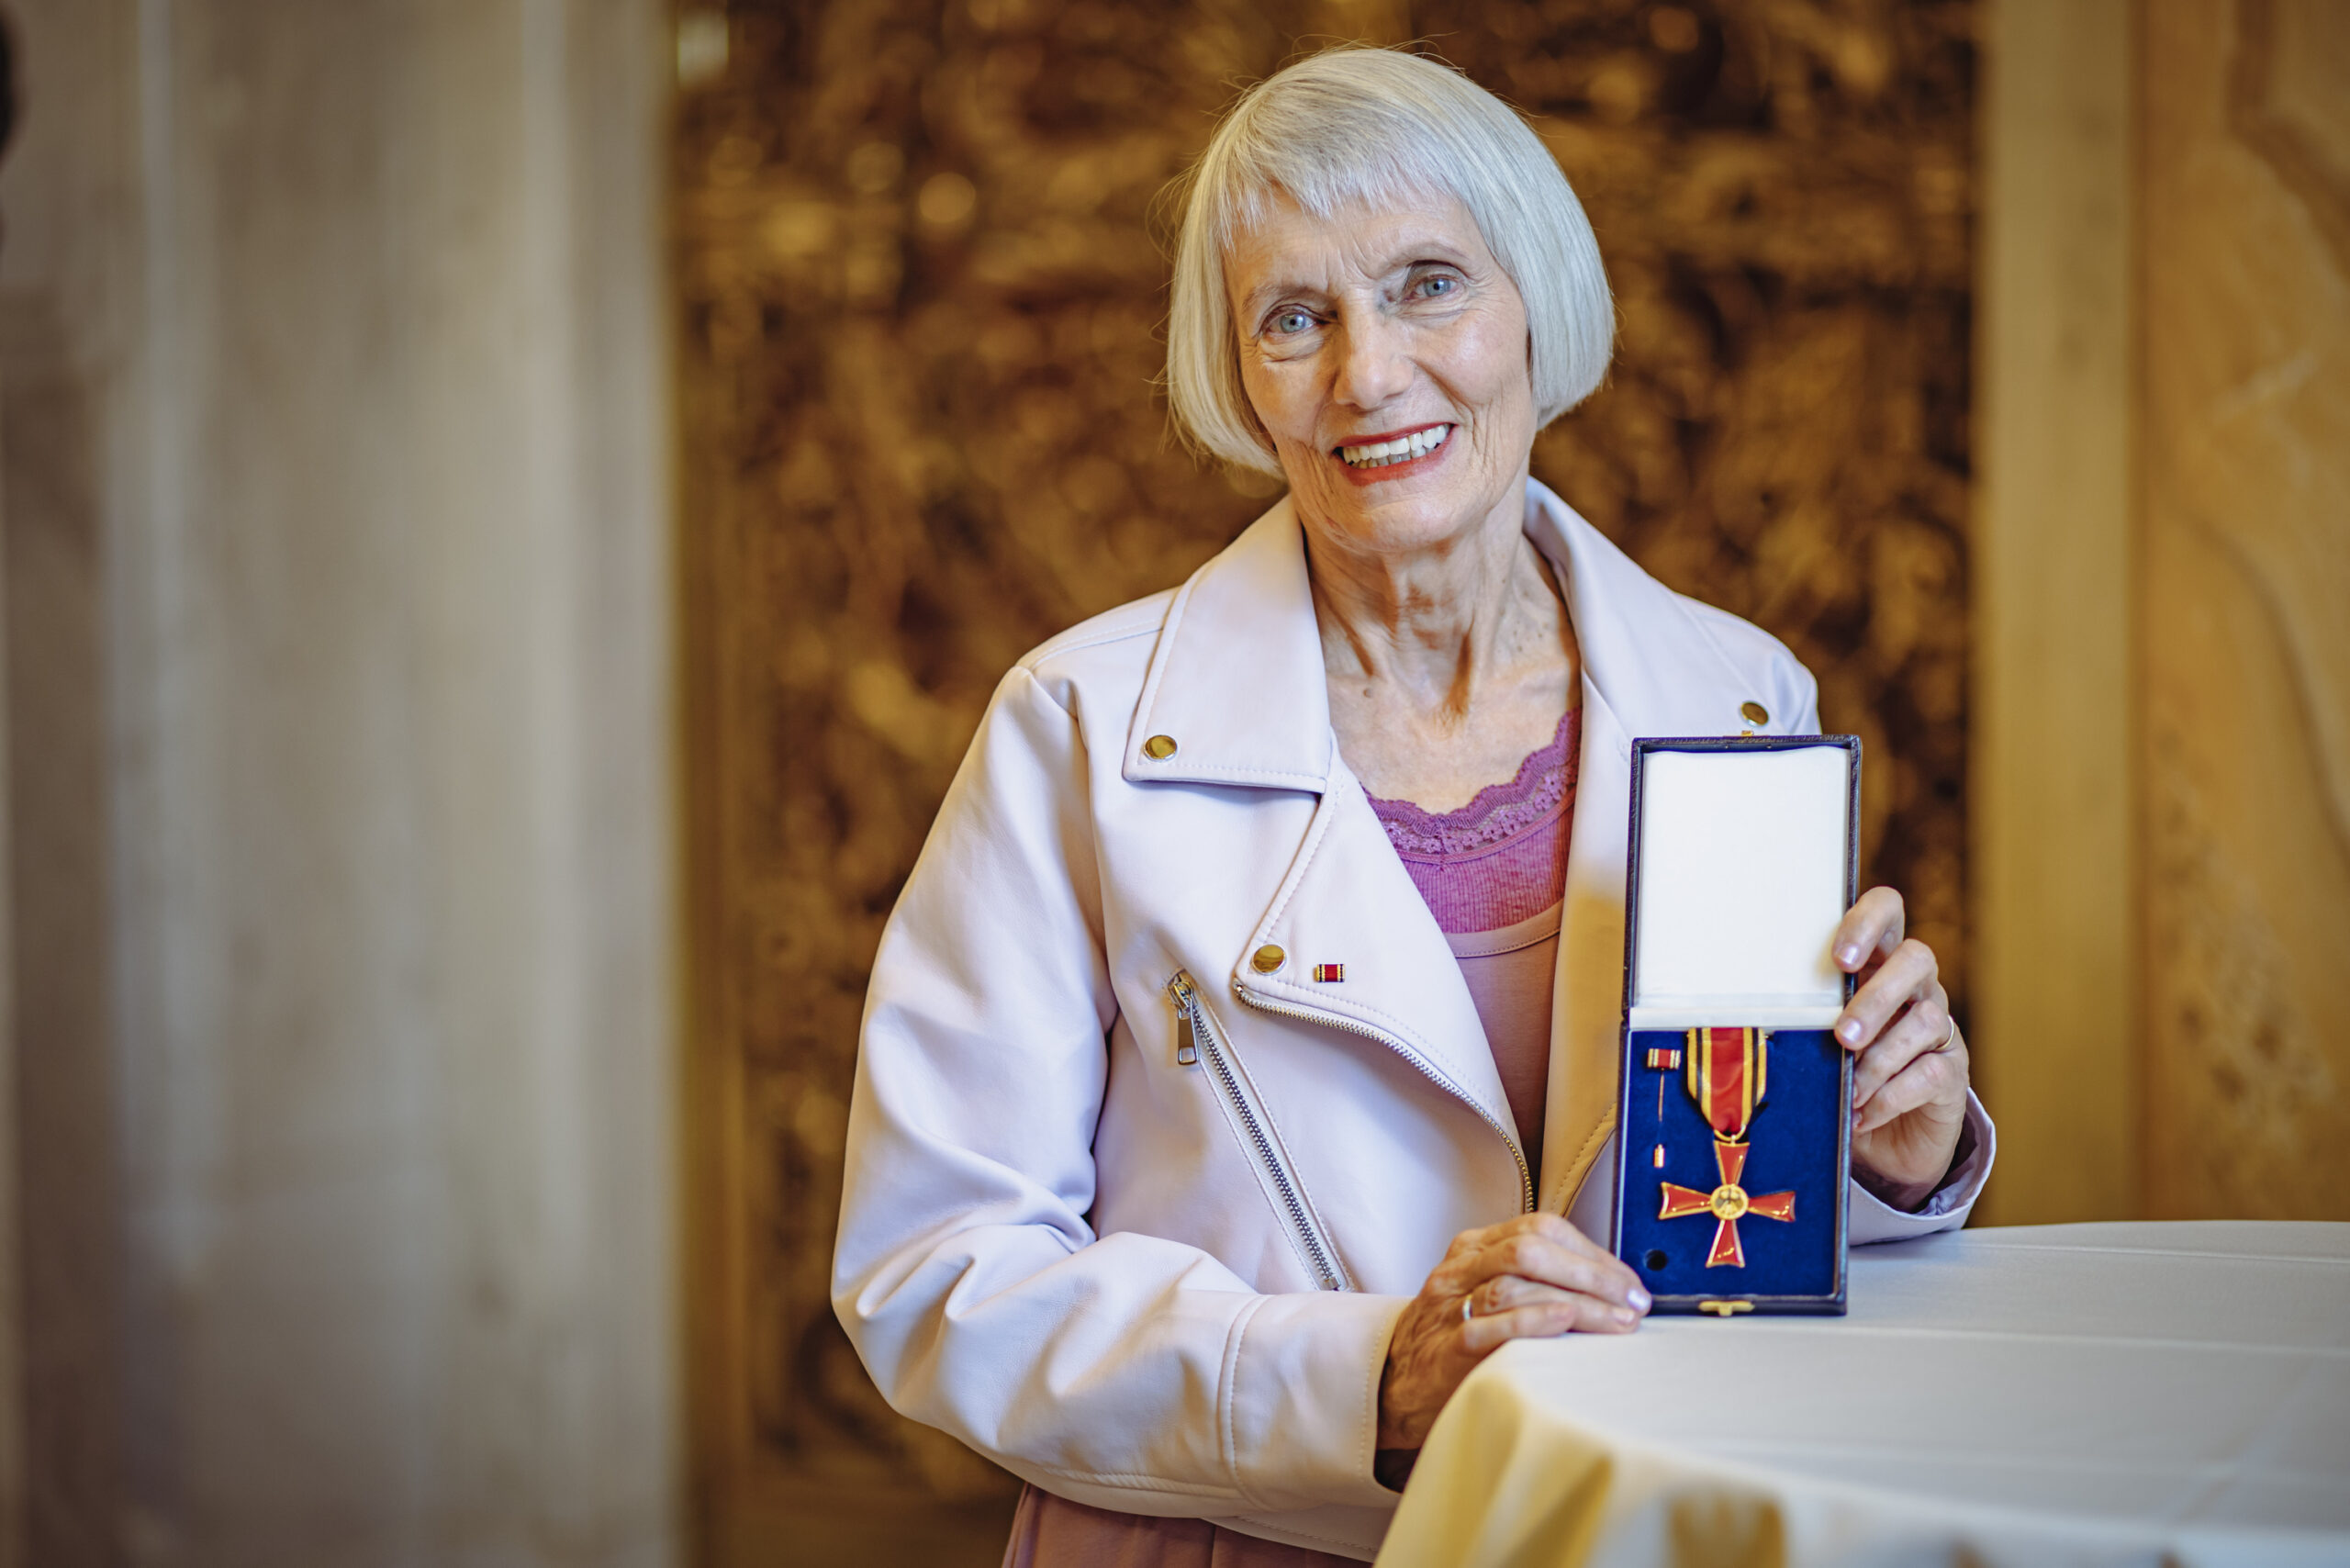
(1871, 1218)
(1126, 1371)
(1868, 1217)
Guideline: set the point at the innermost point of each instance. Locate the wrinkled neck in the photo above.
(1436, 620)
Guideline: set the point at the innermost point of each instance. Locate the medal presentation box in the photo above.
(1734, 1119)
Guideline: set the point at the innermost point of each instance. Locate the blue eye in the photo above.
(1291, 321)
(1439, 284)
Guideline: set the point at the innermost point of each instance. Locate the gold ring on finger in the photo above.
(1949, 1036)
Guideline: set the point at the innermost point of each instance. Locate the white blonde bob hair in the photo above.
(1354, 126)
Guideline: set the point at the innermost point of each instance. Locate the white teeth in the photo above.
(1380, 453)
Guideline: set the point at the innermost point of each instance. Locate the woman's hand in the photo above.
(1909, 1082)
(1526, 1278)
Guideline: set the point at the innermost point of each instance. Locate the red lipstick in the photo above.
(1393, 470)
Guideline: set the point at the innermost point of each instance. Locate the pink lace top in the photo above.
(1501, 857)
(1493, 874)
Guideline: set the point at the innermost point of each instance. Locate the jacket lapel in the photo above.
(1347, 901)
(1237, 685)
(1586, 1001)
(1649, 668)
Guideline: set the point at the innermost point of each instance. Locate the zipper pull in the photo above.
(1187, 1040)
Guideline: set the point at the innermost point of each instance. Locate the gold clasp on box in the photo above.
(1725, 1308)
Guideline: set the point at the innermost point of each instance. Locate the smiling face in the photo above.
(1385, 349)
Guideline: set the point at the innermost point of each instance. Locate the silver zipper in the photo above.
(1336, 1020)
(1199, 1039)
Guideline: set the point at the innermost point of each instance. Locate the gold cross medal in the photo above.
(1727, 1072)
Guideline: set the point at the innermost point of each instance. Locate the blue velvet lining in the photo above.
(1795, 1145)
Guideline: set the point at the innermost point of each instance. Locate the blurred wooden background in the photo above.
(338, 836)
(2160, 777)
(2242, 655)
(922, 292)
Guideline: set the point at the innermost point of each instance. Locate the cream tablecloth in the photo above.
(2087, 1393)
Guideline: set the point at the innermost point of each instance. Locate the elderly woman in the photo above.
(1240, 1061)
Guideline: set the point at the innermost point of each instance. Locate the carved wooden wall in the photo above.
(2246, 636)
(919, 303)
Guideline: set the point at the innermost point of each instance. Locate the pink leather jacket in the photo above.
(1131, 1208)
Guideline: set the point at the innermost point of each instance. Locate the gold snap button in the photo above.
(1159, 748)
(1268, 959)
(1754, 713)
